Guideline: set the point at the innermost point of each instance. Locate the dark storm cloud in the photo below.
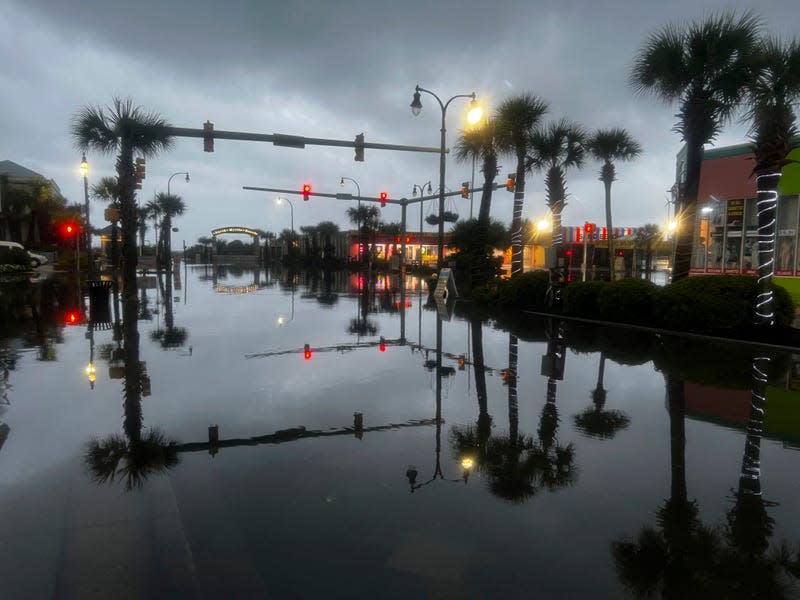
(333, 69)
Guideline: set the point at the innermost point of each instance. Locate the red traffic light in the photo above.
(511, 182)
(307, 352)
(382, 345)
(588, 228)
(69, 229)
(383, 196)
(72, 317)
(568, 252)
(306, 191)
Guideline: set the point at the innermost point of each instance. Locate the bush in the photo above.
(525, 292)
(721, 304)
(627, 301)
(580, 298)
(483, 295)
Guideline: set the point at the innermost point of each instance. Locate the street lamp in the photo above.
(358, 215)
(84, 171)
(173, 175)
(280, 201)
(475, 114)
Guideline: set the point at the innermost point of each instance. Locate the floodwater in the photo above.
(267, 434)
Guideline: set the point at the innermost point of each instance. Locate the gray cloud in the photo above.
(334, 69)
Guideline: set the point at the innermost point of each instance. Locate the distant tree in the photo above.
(170, 205)
(608, 146)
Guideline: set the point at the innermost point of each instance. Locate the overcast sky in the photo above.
(332, 69)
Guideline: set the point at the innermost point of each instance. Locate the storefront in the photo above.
(726, 219)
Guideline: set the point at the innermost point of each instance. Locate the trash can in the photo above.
(99, 301)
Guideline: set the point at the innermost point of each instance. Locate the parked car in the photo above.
(36, 259)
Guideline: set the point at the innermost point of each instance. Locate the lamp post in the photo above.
(474, 117)
(84, 171)
(421, 189)
(164, 239)
(358, 214)
(173, 175)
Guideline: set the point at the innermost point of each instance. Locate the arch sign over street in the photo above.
(236, 229)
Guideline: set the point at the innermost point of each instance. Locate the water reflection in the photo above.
(170, 336)
(596, 421)
(136, 455)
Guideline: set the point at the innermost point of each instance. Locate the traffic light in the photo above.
(511, 182)
(359, 148)
(72, 317)
(588, 229)
(307, 352)
(383, 197)
(382, 345)
(568, 252)
(208, 136)
(465, 189)
(306, 191)
(69, 229)
(138, 173)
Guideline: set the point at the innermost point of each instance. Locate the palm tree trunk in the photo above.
(132, 406)
(516, 221)
(609, 231)
(484, 420)
(767, 185)
(128, 213)
(750, 478)
(479, 270)
(687, 205)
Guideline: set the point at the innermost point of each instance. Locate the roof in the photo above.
(12, 169)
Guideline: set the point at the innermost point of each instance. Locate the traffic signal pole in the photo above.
(291, 141)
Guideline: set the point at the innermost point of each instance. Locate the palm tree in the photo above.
(170, 205)
(327, 231)
(554, 149)
(368, 217)
(107, 190)
(704, 67)
(143, 214)
(517, 119)
(154, 212)
(480, 144)
(771, 98)
(609, 145)
(126, 130)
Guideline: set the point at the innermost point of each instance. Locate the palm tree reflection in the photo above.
(170, 336)
(595, 421)
(131, 458)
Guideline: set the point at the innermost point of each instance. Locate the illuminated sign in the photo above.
(245, 230)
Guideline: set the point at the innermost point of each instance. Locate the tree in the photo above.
(517, 118)
(771, 97)
(107, 190)
(327, 231)
(368, 217)
(481, 144)
(554, 149)
(607, 146)
(126, 130)
(170, 205)
(704, 67)
(595, 421)
(143, 214)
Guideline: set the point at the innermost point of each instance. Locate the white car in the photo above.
(36, 259)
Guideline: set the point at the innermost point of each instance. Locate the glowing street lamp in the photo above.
(474, 116)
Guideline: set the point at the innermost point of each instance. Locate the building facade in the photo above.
(726, 218)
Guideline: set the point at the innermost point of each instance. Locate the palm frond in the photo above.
(517, 117)
(476, 142)
(91, 131)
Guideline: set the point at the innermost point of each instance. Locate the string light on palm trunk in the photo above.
(766, 207)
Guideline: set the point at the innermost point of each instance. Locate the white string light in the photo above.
(766, 205)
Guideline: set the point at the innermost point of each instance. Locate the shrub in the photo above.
(483, 295)
(716, 304)
(627, 301)
(580, 298)
(525, 292)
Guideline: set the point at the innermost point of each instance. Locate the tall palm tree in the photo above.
(480, 144)
(154, 212)
(126, 130)
(554, 149)
(107, 190)
(141, 223)
(327, 231)
(704, 67)
(771, 97)
(170, 205)
(368, 218)
(517, 118)
(607, 146)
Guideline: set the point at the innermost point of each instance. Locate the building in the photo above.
(24, 216)
(726, 221)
